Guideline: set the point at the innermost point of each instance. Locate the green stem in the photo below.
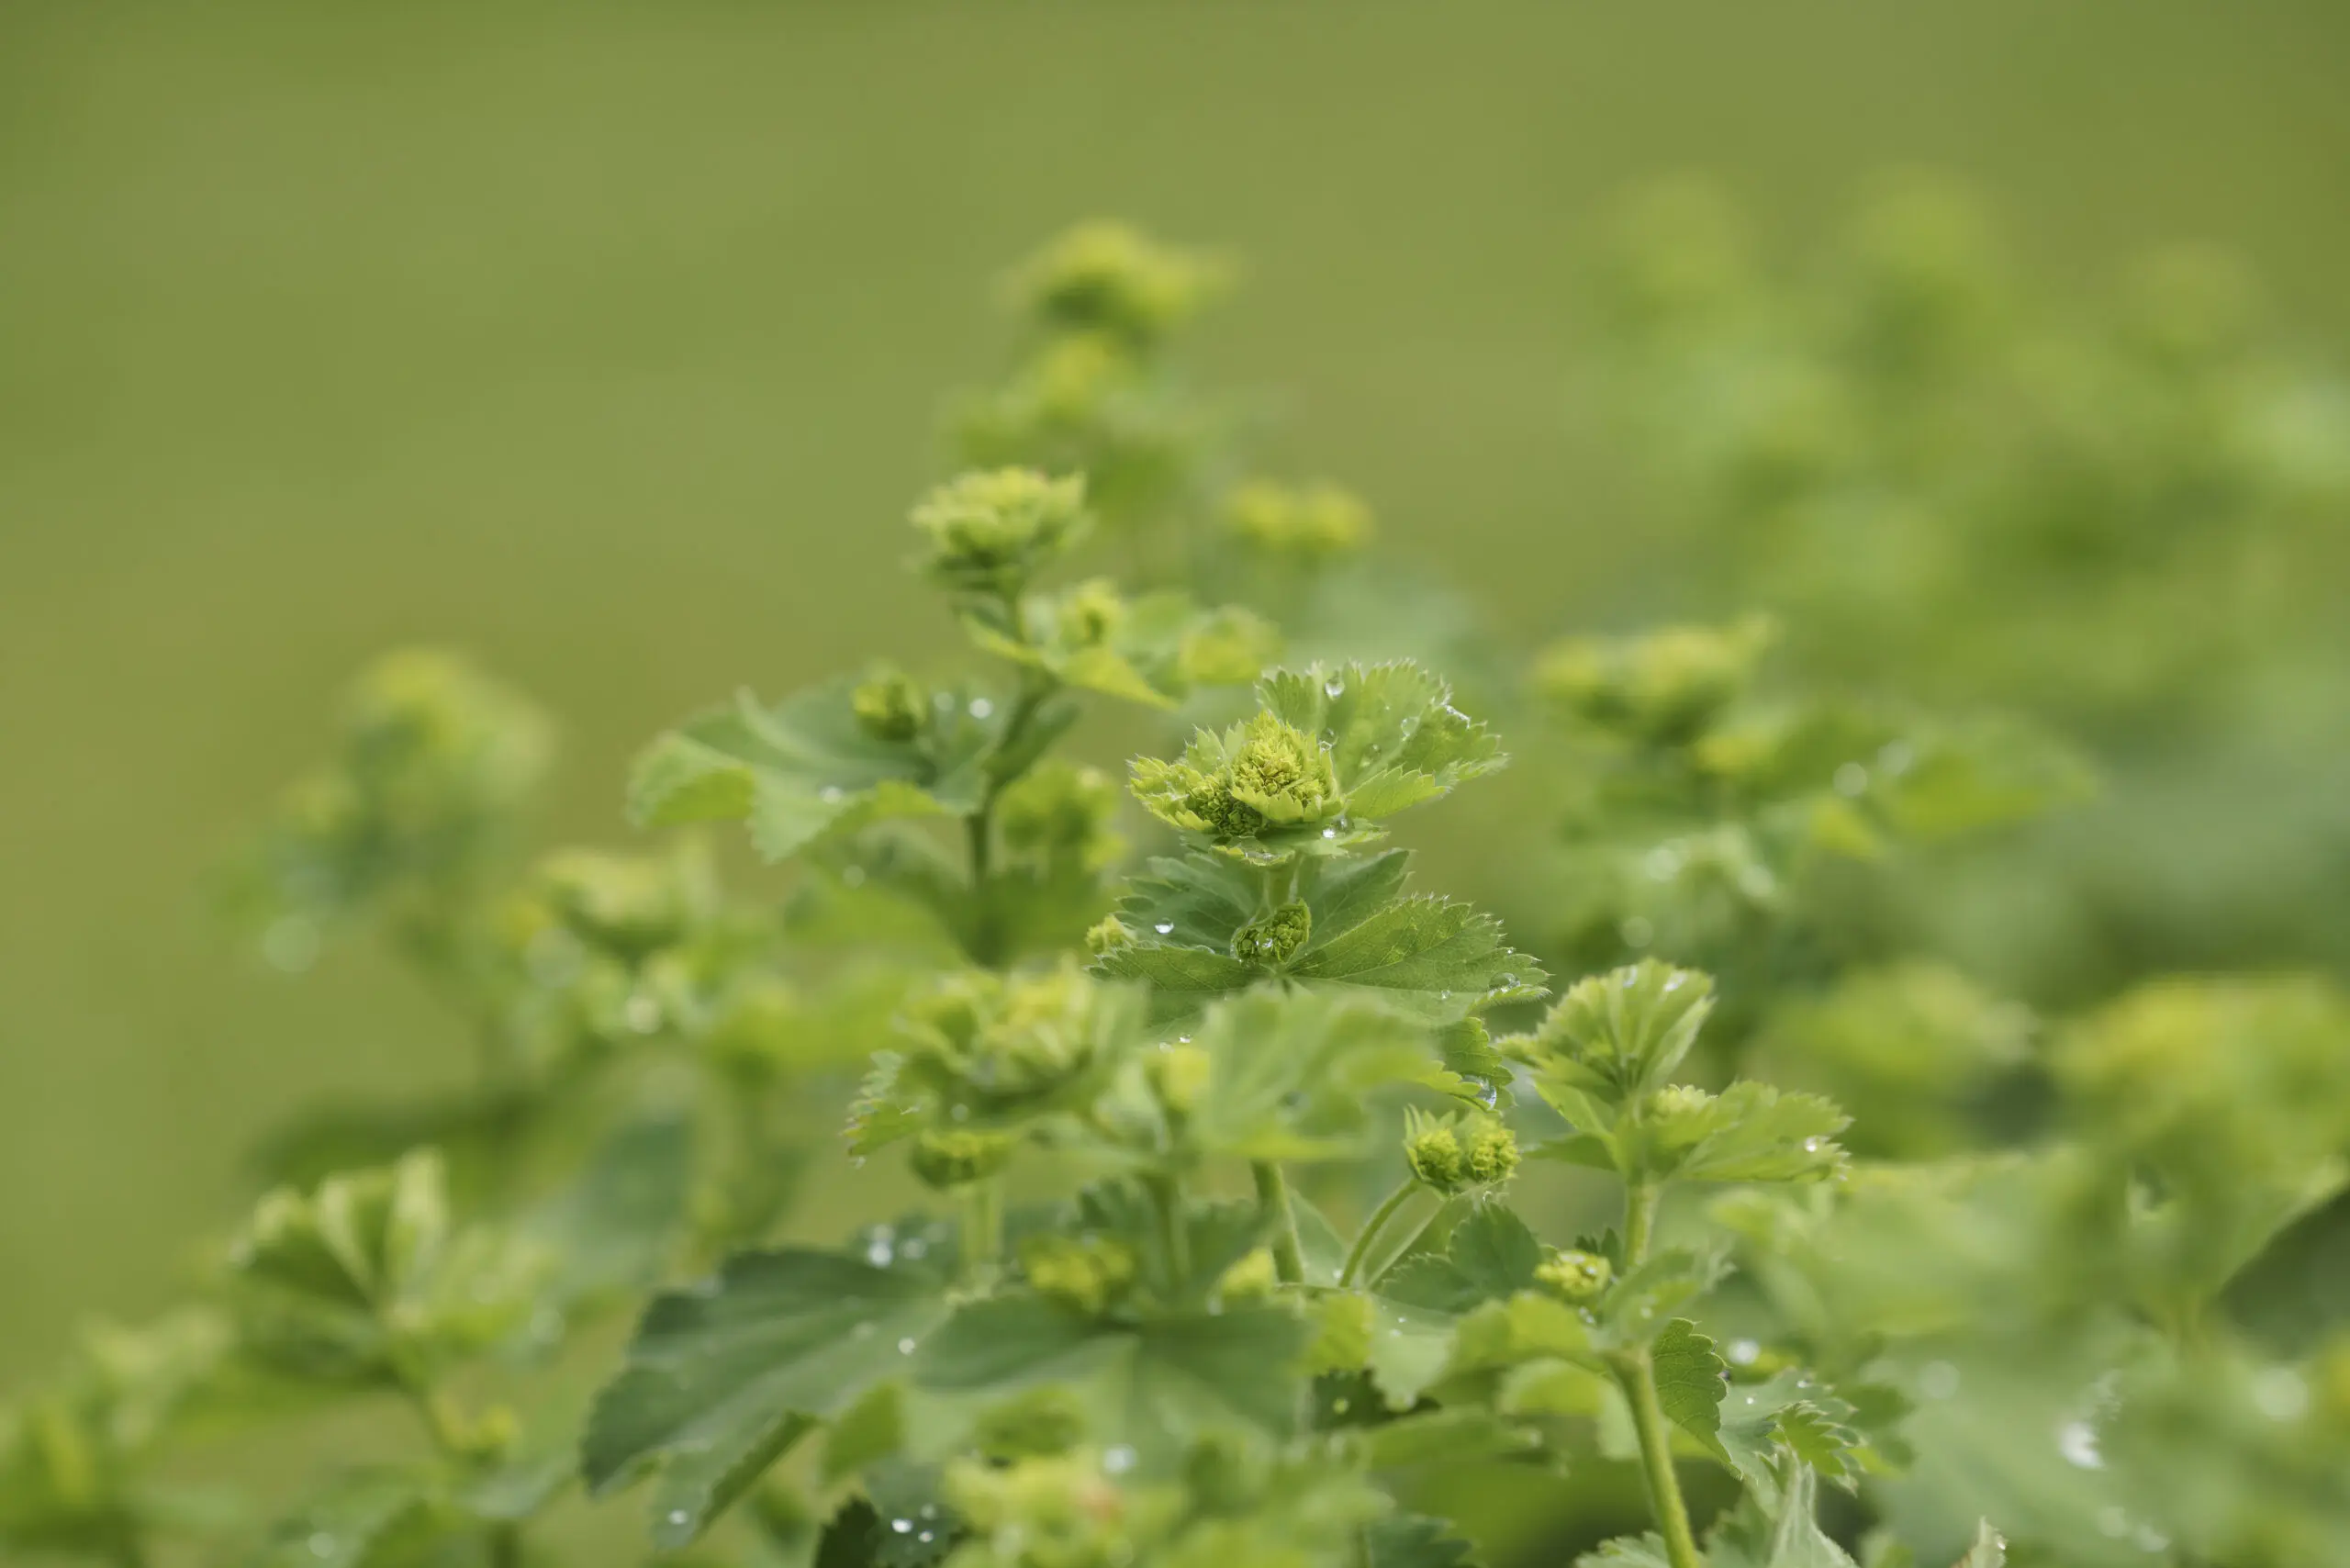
(1372, 1226)
(1174, 1233)
(1640, 1199)
(983, 1226)
(1273, 1197)
(1637, 1380)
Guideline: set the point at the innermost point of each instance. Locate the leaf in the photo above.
(807, 766)
(1638, 1305)
(1490, 1256)
(1154, 1385)
(1290, 1074)
(1454, 1435)
(1689, 1382)
(1628, 1552)
(346, 1524)
(1426, 958)
(1395, 739)
(723, 1379)
(1616, 1036)
(1989, 1549)
(613, 1227)
(1414, 1541)
(1752, 1132)
(1325, 1250)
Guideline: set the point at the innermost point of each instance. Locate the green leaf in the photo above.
(807, 766)
(1615, 1036)
(1490, 1256)
(348, 1522)
(1395, 739)
(1689, 1382)
(1463, 1434)
(1628, 1552)
(1154, 1385)
(614, 1227)
(1151, 650)
(1989, 1549)
(1414, 1541)
(1752, 1132)
(1426, 958)
(1289, 1074)
(721, 1379)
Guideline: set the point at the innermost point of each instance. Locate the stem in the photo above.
(1371, 1228)
(1639, 1220)
(1273, 1197)
(978, 829)
(1174, 1234)
(1637, 1380)
(983, 1226)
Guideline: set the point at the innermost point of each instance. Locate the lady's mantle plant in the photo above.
(1269, 1198)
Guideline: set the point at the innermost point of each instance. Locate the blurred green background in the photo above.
(607, 344)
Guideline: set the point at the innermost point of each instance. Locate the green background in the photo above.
(607, 344)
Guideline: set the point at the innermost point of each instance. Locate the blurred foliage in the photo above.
(1906, 1270)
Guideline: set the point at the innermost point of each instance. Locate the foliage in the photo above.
(1267, 1204)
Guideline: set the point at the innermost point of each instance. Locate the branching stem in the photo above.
(1372, 1226)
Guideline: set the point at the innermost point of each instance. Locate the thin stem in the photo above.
(1174, 1232)
(1372, 1226)
(1640, 1200)
(983, 1226)
(1273, 1197)
(1637, 1380)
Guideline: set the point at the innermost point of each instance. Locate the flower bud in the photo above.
(1276, 938)
(1492, 1154)
(1576, 1275)
(1312, 520)
(1086, 1274)
(1434, 1154)
(987, 532)
(1678, 1101)
(1107, 936)
(955, 1157)
(891, 706)
(1091, 612)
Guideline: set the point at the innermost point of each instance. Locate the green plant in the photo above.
(1255, 1207)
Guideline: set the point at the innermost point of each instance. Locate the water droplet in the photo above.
(679, 1516)
(1743, 1352)
(1164, 926)
(1811, 1146)
(915, 1248)
(2076, 1440)
(880, 1253)
(830, 794)
(1851, 779)
(927, 1511)
(322, 1545)
(1334, 688)
(906, 1346)
(903, 1526)
(1894, 757)
(1329, 832)
(925, 1537)
(1938, 1380)
(981, 707)
(853, 876)
(1662, 863)
(1117, 1458)
(1638, 931)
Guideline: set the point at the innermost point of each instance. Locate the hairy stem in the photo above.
(1372, 1226)
(1640, 1200)
(1273, 1197)
(1637, 1379)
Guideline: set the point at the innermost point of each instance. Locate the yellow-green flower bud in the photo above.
(1091, 612)
(1434, 1154)
(1280, 771)
(955, 1157)
(1276, 938)
(1678, 1101)
(1492, 1154)
(1086, 1274)
(1035, 1425)
(1108, 278)
(1226, 647)
(891, 706)
(1058, 814)
(1251, 1278)
(1178, 1075)
(1578, 1276)
(1309, 520)
(1108, 935)
(987, 532)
